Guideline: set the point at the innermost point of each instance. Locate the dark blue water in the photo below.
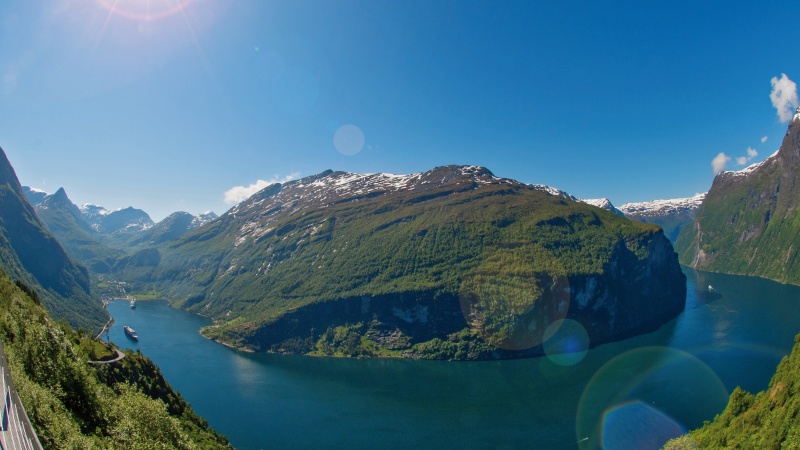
(630, 394)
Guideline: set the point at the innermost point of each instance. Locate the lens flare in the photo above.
(638, 426)
(144, 10)
(567, 342)
(515, 295)
(348, 139)
(647, 377)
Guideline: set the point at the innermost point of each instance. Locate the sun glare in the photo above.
(144, 9)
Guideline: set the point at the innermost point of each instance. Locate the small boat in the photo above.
(711, 288)
(133, 304)
(131, 333)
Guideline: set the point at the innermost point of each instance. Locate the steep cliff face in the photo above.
(634, 293)
(749, 222)
(415, 258)
(30, 253)
(640, 288)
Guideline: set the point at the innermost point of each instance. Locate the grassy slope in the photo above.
(75, 405)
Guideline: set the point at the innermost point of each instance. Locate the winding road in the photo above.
(119, 357)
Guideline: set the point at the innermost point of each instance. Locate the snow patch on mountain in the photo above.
(663, 207)
(125, 220)
(553, 191)
(752, 167)
(330, 188)
(34, 196)
(202, 219)
(602, 203)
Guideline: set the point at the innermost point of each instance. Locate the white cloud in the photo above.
(238, 193)
(742, 160)
(783, 96)
(719, 162)
(763, 139)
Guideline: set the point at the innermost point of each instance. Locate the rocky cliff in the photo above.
(749, 222)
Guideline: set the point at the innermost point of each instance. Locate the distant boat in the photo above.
(133, 304)
(131, 333)
(710, 288)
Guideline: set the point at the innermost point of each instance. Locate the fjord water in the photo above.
(634, 393)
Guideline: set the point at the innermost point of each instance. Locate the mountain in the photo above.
(419, 265)
(31, 254)
(202, 219)
(171, 228)
(672, 215)
(80, 240)
(602, 203)
(749, 222)
(124, 220)
(34, 196)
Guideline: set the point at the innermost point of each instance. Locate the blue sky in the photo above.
(166, 105)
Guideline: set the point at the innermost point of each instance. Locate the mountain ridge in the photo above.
(399, 245)
(30, 253)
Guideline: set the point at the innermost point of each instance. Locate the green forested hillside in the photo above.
(74, 405)
(769, 420)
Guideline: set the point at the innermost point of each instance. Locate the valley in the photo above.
(451, 264)
(418, 224)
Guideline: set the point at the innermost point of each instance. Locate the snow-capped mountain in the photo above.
(34, 196)
(124, 220)
(672, 214)
(330, 187)
(202, 219)
(602, 203)
(171, 228)
(660, 208)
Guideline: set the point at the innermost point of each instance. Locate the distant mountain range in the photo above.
(124, 220)
(671, 215)
(104, 240)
